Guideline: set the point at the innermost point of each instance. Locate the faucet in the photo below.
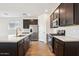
(18, 31)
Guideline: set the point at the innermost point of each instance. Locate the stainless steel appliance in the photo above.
(55, 23)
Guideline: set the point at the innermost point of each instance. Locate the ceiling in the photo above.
(26, 9)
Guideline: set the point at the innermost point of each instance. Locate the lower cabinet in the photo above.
(26, 44)
(58, 49)
(8, 49)
(62, 48)
(23, 46)
(15, 48)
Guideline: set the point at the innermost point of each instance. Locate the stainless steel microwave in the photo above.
(55, 23)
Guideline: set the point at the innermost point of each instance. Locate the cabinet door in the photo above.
(62, 14)
(69, 13)
(34, 22)
(56, 13)
(21, 48)
(58, 49)
(76, 7)
(26, 23)
(27, 43)
(51, 21)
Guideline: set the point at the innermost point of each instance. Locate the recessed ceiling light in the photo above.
(46, 10)
(28, 14)
(24, 14)
(5, 13)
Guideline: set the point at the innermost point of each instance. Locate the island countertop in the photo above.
(67, 39)
(12, 38)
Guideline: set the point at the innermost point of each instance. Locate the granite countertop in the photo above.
(67, 39)
(13, 38)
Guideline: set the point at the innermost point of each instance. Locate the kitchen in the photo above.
(55, 25)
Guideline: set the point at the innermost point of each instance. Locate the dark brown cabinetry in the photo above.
(54, 16)
(62, 48)
(58, 48)
(21, 48)
(26, 44)
(8, 49)
(56, 13)
(68, 14)
(51, 21)
(15, 48)
(62, 14)
(27, 22)
(76, 14)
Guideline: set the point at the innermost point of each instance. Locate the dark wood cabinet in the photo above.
(28, 22)
(68, 14)
(76, 14)
(54, 16)
(64, 48)
(8, 49)
(21, 48)
(56, 13)
(15, 48)
(26, 44)
(58, 48)
(51, 21)
(62, 14)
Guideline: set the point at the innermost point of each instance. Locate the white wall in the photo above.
(42, 21)
(12, 31)
(3, 27)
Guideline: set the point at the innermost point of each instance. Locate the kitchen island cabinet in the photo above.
(15, 46)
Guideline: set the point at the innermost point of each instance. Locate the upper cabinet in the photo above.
(76, 14)
(27, 22)
(62, 14)
(54, 16)
(56, 13)
(51, 21)
(68, 14)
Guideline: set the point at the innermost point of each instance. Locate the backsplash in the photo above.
(71, 31)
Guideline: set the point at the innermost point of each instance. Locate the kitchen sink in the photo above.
(20, 35)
